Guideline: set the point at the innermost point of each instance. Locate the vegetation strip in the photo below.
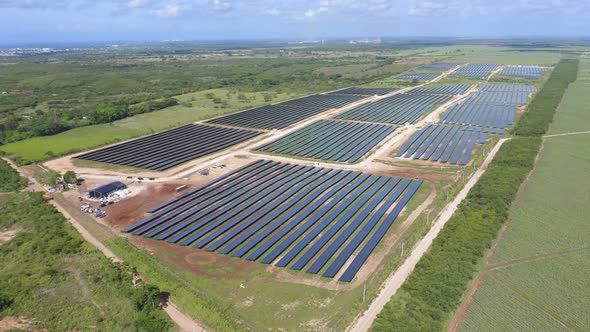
(434, 290)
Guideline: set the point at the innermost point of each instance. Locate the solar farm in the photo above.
(440, 66)
(317, 190)
(534, 72)
(397, 109)
(456, 89)
(363, 91)
(341, 141)
(493, 106)
(452, 144)
(418, 76)
(273, 212)
(489, 110)
(171, 148)
(279, 116)
(476, 70)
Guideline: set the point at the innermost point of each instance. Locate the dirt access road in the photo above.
(394, 281)
(184, 322)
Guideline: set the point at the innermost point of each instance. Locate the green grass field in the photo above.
(540, 281)
(84, 138)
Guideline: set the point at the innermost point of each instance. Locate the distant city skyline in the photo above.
(39, 21)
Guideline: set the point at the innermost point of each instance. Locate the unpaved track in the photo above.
(184, 322)
(567, 134)
(394, 281)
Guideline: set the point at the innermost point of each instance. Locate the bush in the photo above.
(10, 180)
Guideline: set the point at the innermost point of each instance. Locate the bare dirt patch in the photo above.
(8, 235)
(11, 323)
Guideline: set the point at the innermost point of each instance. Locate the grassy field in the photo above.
(573, 113)
(538, 277)
(79, 139)
(504, 55)
(58, 282)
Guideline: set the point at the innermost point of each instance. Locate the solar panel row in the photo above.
(172, 147)
(397, 109)
(440, 66)
(342, 141)
(443, 143)
(269, 209)
(455, 89)
(418, 76)
(488, 87)
(363, 91)
(282, 115)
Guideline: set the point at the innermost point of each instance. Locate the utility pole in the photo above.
(364, 291)
(402, 249)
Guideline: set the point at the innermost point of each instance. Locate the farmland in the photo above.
(539, 265)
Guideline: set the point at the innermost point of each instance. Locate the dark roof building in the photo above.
(106, 190)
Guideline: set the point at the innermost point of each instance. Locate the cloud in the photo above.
(221, 6)
(315, 12)
(138, 3)
(169, 11)
(34, 4)
(434, 8)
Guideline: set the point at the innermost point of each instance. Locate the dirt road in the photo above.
(184, 322)
(394, 281)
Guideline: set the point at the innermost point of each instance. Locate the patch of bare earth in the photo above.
(11, 323)
(8, 235)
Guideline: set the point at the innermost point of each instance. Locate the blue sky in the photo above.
(34, 21)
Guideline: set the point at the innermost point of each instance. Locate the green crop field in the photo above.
(574, 111)
(83, 138)
(537, 280)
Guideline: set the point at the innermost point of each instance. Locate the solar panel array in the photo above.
(397, 109)
(455, 89)
(362, 91)
(476, 70)
(334, 140)
(418, 76)
(440, 66)
(507, 87)
(523, 71)
(310, 218)
(493, 107)
(172, 147)
(282, 115)
(442, 143)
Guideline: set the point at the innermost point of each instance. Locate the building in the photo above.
(106, 190)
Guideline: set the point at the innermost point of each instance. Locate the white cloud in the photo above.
(315, 12)
(221, 6)
(169, 11)
(434, 8)
(138, 3)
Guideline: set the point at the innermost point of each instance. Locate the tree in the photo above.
(70, 177)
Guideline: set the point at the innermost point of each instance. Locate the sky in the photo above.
(39, 21)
